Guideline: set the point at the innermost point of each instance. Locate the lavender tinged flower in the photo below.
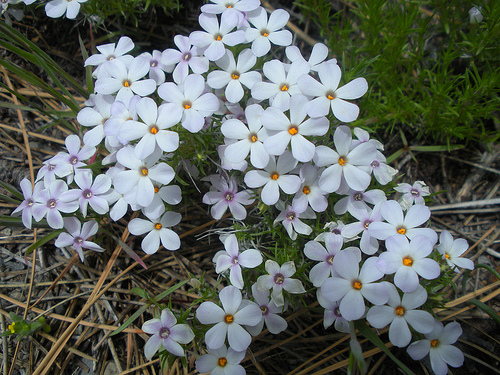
(332, 314)
(166, 333)
(221, 361)
(26, 206)
(451, 250)
(227, 196)
(290, 217)
(274, 323)
(89, 193)
(78, 235)
(412, 194)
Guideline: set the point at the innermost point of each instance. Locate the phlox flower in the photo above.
(347, 163)
(152, 130)
(328, 95)
(267, 31)
(26, 206)
(438, 344)
(140, 175)
(325, 256)
(358, 199)
(309, 192)
(157, 68)
(408, 260)
(95, 117)
(48, 203)
(78, 235)
(89, 193)
(353, 285)
(221, 361)
(159, 231)
(52, 168)
(398, 223)
(401, 312)
(167, 334)
(274, 323)
(110, 52)
(412, 194)
(318, 55)
(170, 194)
(363, 136)
(234, 9)
(274, 177)
(451, 251)
(234, 74)
(228, 165)
(332, 314)
(246, 139)
(125, 80)
(121, 113)
(56, 8)
(279, 278)
(366, 216)
(231, 259)
(215, 37)
(335, 229)
(290, 218)
(227, 196)
(382, 172)
(188, 101)
(283, 83)
(228, 320)
(74, 157)
(292, 130)
(185, 58)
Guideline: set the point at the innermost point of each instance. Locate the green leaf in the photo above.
(370, 335)
(488, 310)
(170, 290)
(130, 320)
(491, 269)
(141, 293)
(11, 189)
(44, 240)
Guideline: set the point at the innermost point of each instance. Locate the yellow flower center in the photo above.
(434, 343)
(154, 129)
(218, 38)
(400, 311)
(157, 189)
(356, 284)
(127, 83)
(253, 138)
(284, 88)
(293, 129)
(306, 190)
(222, 362)
(144, 171)
(342, 160)
(11, 327)
(401, 230)
(264, 33)
(158, 226)
(330, 95)
(275, 176)
(447, 256)
(235, 75)
(229, 318)
(187, 105)
(407, 261)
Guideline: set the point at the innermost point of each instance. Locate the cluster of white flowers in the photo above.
(271, 122)
(53, 8)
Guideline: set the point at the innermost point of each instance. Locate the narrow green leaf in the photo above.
(11, 189)
(130, 320)
(140, 292)
(491, 269)
(488, 310)
(170, 290)
(44, 240)
(437, 148)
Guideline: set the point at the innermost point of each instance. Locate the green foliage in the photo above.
(22, 328)
(431, 72)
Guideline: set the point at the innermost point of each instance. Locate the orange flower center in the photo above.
(187, 105)
(284, 87)
(154, 129)
(264, 33)
(306, 190)
(218, 37)
(356, 284)
(402, 230)
(293, 129)
(275, 176)
(400, 311)
(407, 261)
(434, 343)
(229, 318)
(127, 83)
(253, 138)
(330, 95)
(235, 75)
(222, 362)
(158, 226)
(144, 171)
(447, 256)
(342, 160)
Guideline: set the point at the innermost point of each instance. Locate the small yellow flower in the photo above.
(11, 327)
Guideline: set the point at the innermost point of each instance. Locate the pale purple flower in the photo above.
(358, 199)
(89, 193)
(74, 157)
(368, 244)
(401, 312)
(157, 68)
(26, 206)
(309, 192)
(274, 177)
(332, 314)
(451, 250)
(110, 52)
(438, 344)
(412, 194)
(52, 168)
(398, 223)
(189, 101)
(267, 31)
(328, 95)
(231, 259)
(166, 333)
(290, 218)
(56, 8)
(382, 172)
(229, 320)
(227, 196)
(408, 260)
(318, 54)
(78, 235)
(344, 163)
(352, 285)
(48, 203)
(221, 361)
(279, 278)
(95, 117)
(274, 323)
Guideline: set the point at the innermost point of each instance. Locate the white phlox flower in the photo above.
(309, 192)
(408, 260)
(274, 323)
(412, 194)
(438, 344)
(318, 55)
(159, 231)
(398, 223)
(274, 177)
(215, 37)
(283, 83)
(332, 314)
(167, 334)
(328, 95)
(363, 136)
(267, 31)
(290, 218)
(157, 68)
(73, 159)
(382, 172)
(279, 278)
(352, 285)
(121, 113)
(358, 200)
(231, 259)
(95, 117)
(187, 57)
(234, 74)
(189, 100)
(344, 163)
(26, 206)
(366, 216)
(233, 9)
(110, 52)
(228, 320)
(451, 250)
(152, 129)
(293, 130)
(246, 139)
(56, 8)
(400, 313)
(78, 235)
(221, 361)
(52, 168)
